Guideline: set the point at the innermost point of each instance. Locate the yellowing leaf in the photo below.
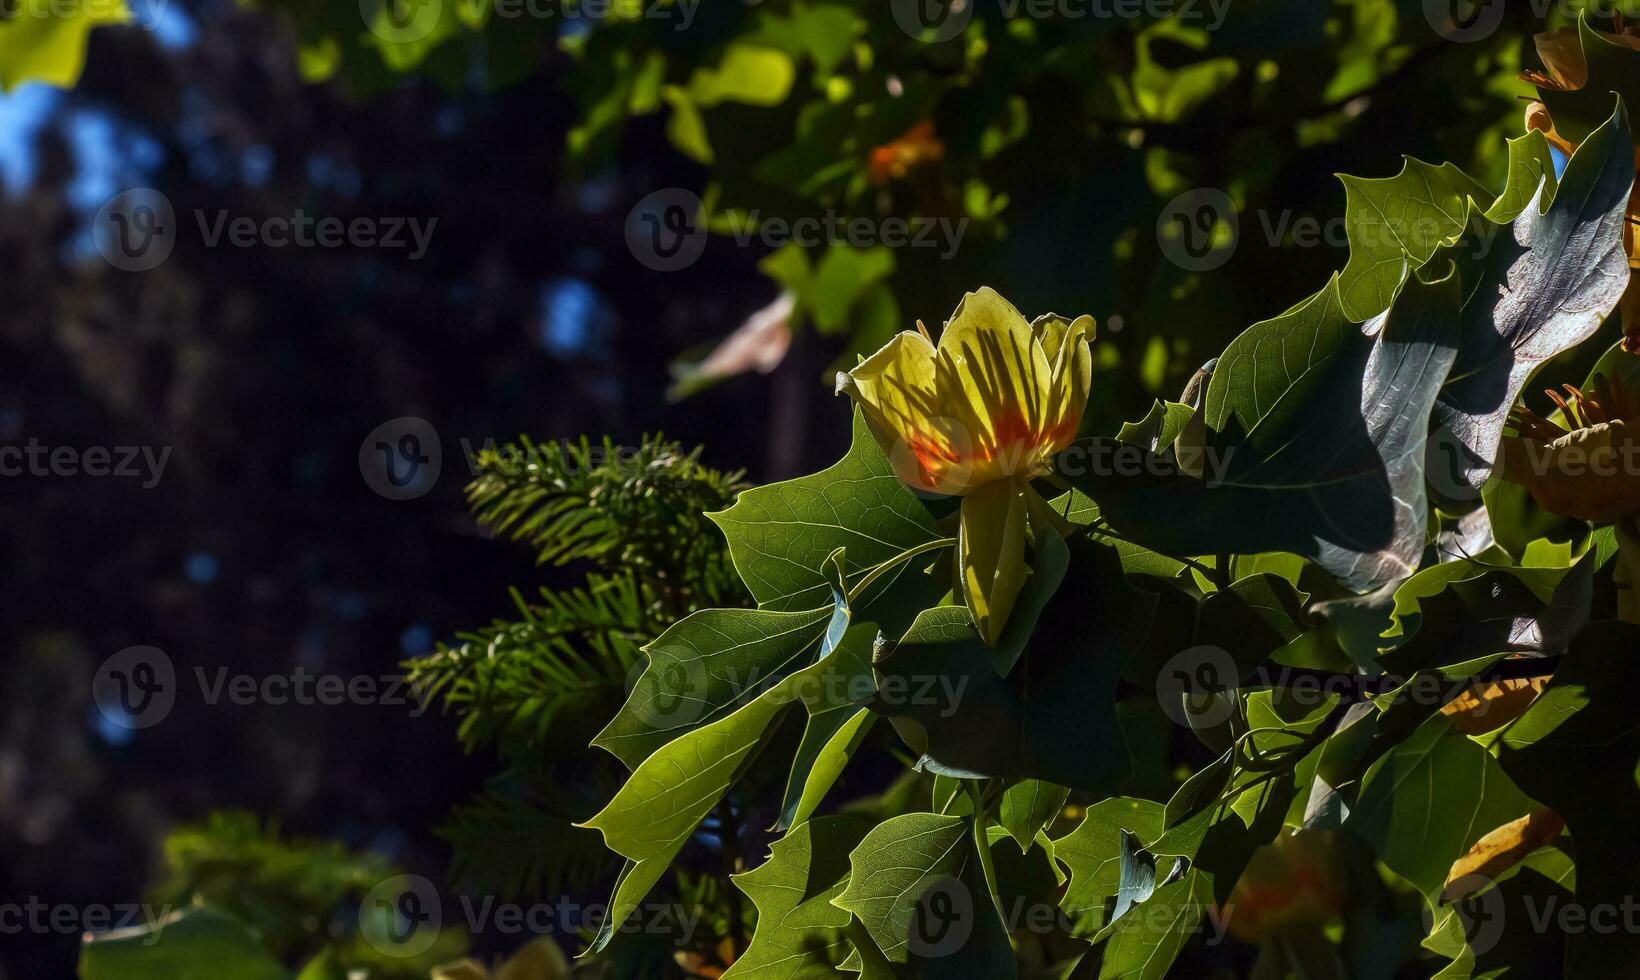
(40, 44)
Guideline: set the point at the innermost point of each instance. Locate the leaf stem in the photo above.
(982, 846)
(910, 553)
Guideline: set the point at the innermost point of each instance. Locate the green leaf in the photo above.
(1474, 933)
(1157, 430)
(1092, 854)
(667, 796)
(1615, 363)
(916, 886)
(1396, 224)
(1028, 807)
(1053, 715)
(1145, 946)
(748, 74)
(842, 276)
(1314, 443)
(709, 664)
(196, 944)
(1427, 801)
(800, 933)
(838, 723)
(1541, 289)
(671, 791)
(1475, 621)
(1577, 751)
(327, 966)
(1252, 619)
(46, 42)
(780, 534)
(1530, 164)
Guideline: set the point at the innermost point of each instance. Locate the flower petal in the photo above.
(1066, 344)
(994, 379)
(991, 549)
(895, 388)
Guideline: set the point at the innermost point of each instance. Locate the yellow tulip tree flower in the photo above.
(979, 416)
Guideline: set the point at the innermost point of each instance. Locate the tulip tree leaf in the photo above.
(1429, 799)
(1314, 443)
(1157, 430)
(195, 944)
(1053, 716)
(1542, 881)
(1540, 289)
(800, 933)
(1145, 946)
(676, 786)
(1092, 853)
(1615, 363)
(780, 534)
(838, 723)
(1454, 628)
(1027, 807)
(707, 665)
(1396, 224)
(1577, 751)
(916, 885)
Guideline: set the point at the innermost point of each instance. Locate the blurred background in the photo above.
(1169, 170)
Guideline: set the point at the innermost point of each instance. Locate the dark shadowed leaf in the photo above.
(1542, 286)
(1314, 443)
(1577, 751)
